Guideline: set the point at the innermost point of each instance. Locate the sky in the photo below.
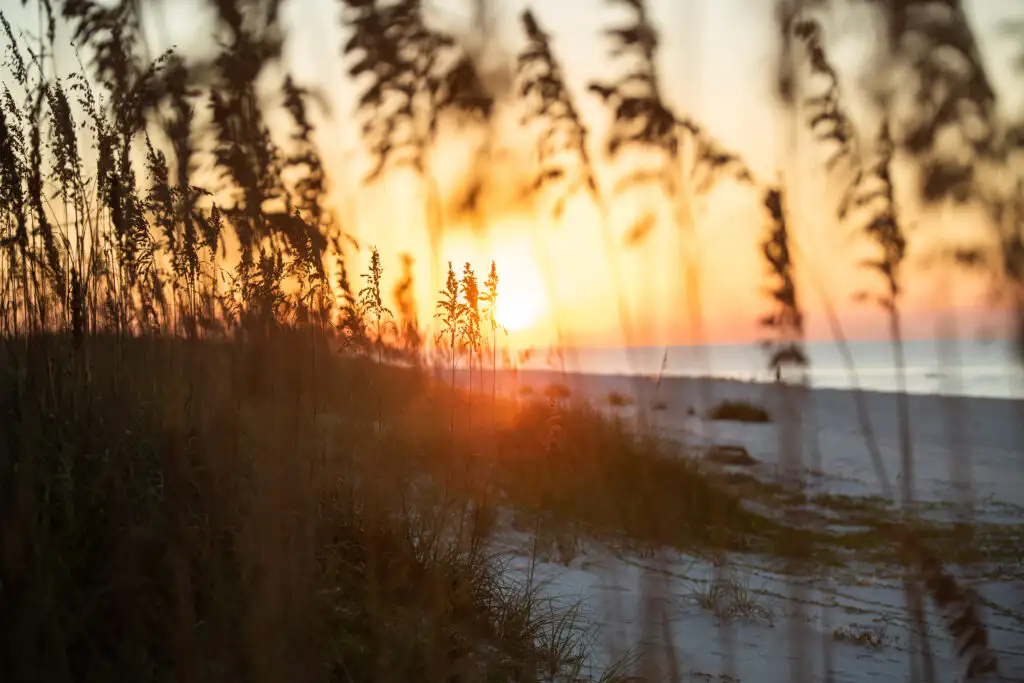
(716, 62)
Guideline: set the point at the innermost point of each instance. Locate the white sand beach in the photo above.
(868, 604)
(973, 446)
(984, 435)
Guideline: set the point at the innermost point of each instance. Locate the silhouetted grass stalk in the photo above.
(887, 233)
(786, 352)
(418, 74)
(829, 120)
(864, 424)
(373, 305)
(562, 134)
(641, 118)
(452, 315)
(490, 299)
(471, 332)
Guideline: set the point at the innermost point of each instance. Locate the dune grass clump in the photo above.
(572, 465)
(738, 411)
(178, 541)
(618, 400)
(732, 598)
(368, 552)
(557, 392)
(873, 637)
(730, 455)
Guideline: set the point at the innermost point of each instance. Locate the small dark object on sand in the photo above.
(730, 455)
(739, 411)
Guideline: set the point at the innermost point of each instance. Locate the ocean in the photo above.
(966, 367)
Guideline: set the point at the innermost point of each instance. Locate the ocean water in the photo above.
(966, 367)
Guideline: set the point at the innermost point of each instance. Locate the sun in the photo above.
(519, 308)
(523, 308)
(522, 298)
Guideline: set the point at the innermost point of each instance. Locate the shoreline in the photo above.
(966, 450)
(971, 368)
(629, 380)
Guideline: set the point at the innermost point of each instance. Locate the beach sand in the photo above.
(979, 441)
(965, 449)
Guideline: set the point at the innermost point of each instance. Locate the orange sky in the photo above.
(716, 64)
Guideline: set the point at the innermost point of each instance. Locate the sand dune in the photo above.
(986, 438)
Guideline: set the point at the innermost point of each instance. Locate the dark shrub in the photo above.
(739, 411)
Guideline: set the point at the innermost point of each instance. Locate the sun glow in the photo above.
(520, 308)
(524, 309)
(522, 299)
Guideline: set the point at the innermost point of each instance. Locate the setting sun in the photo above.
(523, 300)
(524, 306)
(520, 308)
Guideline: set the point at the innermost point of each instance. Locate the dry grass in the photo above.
(186, 515)
(874, 637)
(221, 461)
(159, 493)
(618, 400)
(731, 597)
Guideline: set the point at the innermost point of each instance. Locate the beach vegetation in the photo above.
(557, 391)
(739, 411)
(225, 457)
(618, 400)
(731, 597)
